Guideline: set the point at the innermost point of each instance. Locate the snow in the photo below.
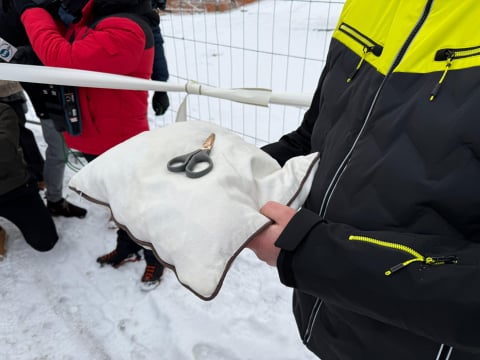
(61, 305)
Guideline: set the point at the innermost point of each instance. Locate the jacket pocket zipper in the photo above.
(449, 55)
(369, 46)
(417, 257)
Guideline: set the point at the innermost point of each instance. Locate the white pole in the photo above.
(84, 78)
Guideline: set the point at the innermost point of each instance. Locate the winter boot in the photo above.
(3, 241)
(153, 272)
(125, 251)
(64, 208)
(117, 258)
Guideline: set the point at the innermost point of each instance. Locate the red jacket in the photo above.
(116, 45)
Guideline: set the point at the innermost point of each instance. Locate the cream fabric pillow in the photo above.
(198, 226)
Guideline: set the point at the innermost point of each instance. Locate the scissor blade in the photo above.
(208, 143)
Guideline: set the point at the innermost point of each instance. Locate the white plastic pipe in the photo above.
(84, 78)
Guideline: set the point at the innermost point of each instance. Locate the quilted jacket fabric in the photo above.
(384, 255)
(115, 44)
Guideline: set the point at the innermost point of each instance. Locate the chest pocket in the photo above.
(449, 57)
(369, 47)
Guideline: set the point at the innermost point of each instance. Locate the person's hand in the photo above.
(50, 5)
(25, 55)
(159, 4)
(160, 102)
(263, 244)
(7, 5)
(22, 5)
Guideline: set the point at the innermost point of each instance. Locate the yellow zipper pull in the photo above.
(362, 59)
(402, 265)
(435, 90)
(431, 260)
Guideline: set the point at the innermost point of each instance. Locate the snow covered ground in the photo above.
(61, 305)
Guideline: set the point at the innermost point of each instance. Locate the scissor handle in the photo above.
(179, 163)
(201, 157)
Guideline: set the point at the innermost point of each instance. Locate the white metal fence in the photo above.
(275, 44)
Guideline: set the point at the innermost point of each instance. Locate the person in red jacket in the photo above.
(112, 36)
(115, 45)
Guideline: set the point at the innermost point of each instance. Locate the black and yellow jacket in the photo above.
(384, 256)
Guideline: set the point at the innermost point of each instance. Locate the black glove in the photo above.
(7, 5)
(22, 5)
(159, 4)
(26, 56)
(160, 102)
(52, 6)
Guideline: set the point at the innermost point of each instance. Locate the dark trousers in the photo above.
(24, 207)
(31, 153)
(127, 245)
(124, 242)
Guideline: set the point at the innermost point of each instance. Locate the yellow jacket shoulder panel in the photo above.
(391, 23)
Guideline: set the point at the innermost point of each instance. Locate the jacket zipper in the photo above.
(417, 257)
(341, 168)
(369, 46)
(449, 55)
(444, 352)
(333, 183)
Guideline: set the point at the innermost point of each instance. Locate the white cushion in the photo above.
(198, 226)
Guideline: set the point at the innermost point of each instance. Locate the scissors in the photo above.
(189, 161)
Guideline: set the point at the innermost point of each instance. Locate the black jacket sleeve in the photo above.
(351, 268)
(297, 142)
